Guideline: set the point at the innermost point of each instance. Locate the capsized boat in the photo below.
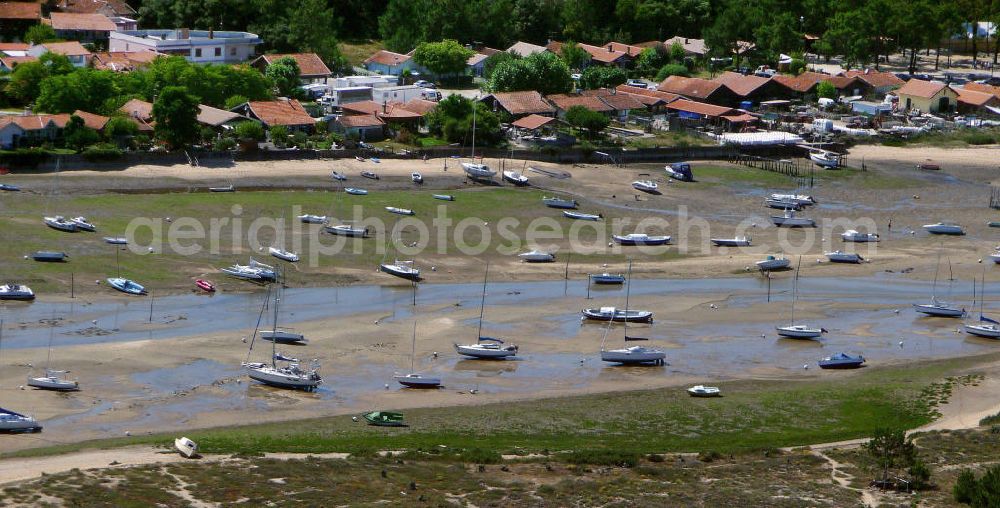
(640, 239)
(555, 202)
(515, 178)
(618, 315)
(11, 291)
(790, 220)
(128, 286)
(11, 421)
(186, 447)
(312, 219)
(283, 254)
(347, 230)
(704, 391)
(61, 223)
(384, 419)
(401, 269)
(537, 256)
(841, 361)
(944, 228)
(852, 235)
(581, 216)
(773, 263)
(49, 256)
(838, 256)
(83, 224)
(53, 380)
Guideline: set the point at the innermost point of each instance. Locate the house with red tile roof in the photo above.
(17, 17)
(311, 66)
(73, 50)
(7, 63)
(927, 96)
(622, 103)
(700, 113)
(387, 62)
(30, 130)
(563, 102)
(880, 82)
(612, 53)
(699, 89)
(982, 87)
(518, 104)
(285, 112)
(692, 47)
(91, 120)
(390, 112)
(524, 49)
(122, 61)
(84, 27)
(976, 102)
(532, 122)
(109, 8)
(360, 127)
(654, 100)
(753, 88)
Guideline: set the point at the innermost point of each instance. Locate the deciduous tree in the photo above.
(176, 114)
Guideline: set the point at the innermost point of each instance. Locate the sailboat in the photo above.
(401, 269)
(794, 331)
(937, 307)
(630, 355)
(278, 334)
(474, 169)
(53, 380)
(289, 374)
(12, 421)
(127, 286)
(489, 348)
(414, 380)
(985, 327)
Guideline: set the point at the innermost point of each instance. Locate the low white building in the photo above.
(369, 81)
(404, 93)
(197, 46)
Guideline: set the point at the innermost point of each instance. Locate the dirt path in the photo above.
(839, 477)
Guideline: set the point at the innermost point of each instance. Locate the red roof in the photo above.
(137, 108)
(522, 103)
(14, 46)
(604, 54)
(644, 93)
(420, 106)
(69, 48)
(281, 112)
(35, 122)
(740, 118)
(532, 122)
(700, 108)
(690, 87)
(875, 78)
(123, 61)
(618, 101)
(359, 121)
(982, 87)
(973, 97)
(921, 88)
(742, 84)
(386, 58)
(628, 49)
(20, 10)
(107, 7)
(566, 101)
(310, 64)
(96, 122)
(12, 61)
(81, 21)
(391, 110)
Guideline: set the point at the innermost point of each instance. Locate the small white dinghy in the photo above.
(704, 391)
(289, 256)
(570, 214)
(790, 220)
(116, 240)
(186, 447)
(312, 219)
(338, 176)
(61, 223)
(399, 211)
(944, 228)
(645, 186)
(773, 263)
(852, 235)
(356, 191)
(515, 178)
(537, 256)
(83, 224)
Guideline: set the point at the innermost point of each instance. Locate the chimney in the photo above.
(183, 33)
(609, 47)
(685, 40)
(384, 107)
(211, 33)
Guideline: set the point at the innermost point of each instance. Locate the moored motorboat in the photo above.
(338, 176)
(116, 240)
(401, 269)
(53, 380)
(515, 178)
(11, 421)
(782, 204)
(370, 174)
(844, 257)
(825, 159)
(618, 315)
(704, 391)
(11, 291)
(399, 211)
(852, 235)
(800, 199)
(790, 220)
(570, 214)
(645, 186)
(443, 197)
(347, 230)
(83, 224)
(640, 239)
(356, 191)
(537, 256)
(128, 286)
(312, 219)
(477, 170)
(773, 263)
(61, 223)
(607, 278)
(283, 254)
(841, 361)
(384, 419)
(944, 228)
(186, 447)
(732, 242)
(555, 202)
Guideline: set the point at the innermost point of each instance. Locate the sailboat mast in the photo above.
(413, 346)
(628, 289)
(482, 303)
(474, 131)
(795, 288)
(982, 293)
(274, 333)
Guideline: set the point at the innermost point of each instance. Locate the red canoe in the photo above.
(205, 285)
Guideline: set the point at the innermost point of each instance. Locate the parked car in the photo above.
(636, 83)
(424, 84)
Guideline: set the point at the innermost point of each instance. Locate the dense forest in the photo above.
(860, 30)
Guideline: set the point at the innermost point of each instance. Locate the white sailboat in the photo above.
(630, 355)
(12, 421)
(984, 327)
(474, 169)
(279, 334)
(53, 379)
(792, 330)
(490, 348)
(288, 374)
(938, 308)
(413, 379)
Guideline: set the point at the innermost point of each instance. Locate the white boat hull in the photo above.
(14, 422)
(282, 336)
(854, 236)
(418, 381)
(291, 257)
(537, 257)
(938, 310)
(773, 264)
(486, 351)
(635, 355)
(704, 391)
(989, 331)
(944, 229)
(478, 170)
(799, 332)
(186, 447)
(54, 383)
(843, 257)
(61, 224)
(275, 377)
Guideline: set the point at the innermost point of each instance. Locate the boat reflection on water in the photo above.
(487, 369)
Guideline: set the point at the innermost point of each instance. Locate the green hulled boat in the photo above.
(385, 419)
